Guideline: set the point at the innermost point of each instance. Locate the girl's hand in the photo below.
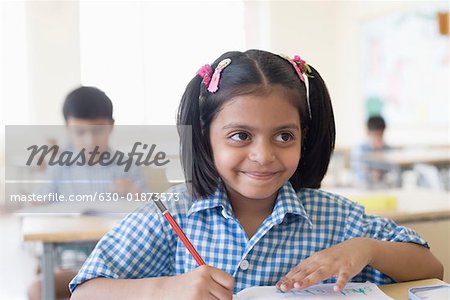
(343, 261)
(204, 282)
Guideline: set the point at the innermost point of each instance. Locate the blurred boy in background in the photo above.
(366, 173)
(88, 113)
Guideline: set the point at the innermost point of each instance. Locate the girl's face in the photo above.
(256, 144)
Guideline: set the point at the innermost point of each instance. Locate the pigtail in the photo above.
(318, 143)
(199, 181)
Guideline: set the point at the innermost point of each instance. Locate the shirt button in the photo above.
(244, 265)
(224, 214)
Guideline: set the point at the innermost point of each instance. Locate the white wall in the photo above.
(53, 55)
(312, 30)
(351, 14)
(13, 65)
(145, 61)
(326, 34)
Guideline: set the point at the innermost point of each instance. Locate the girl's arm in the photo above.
(386, 247)
(204, 282)
(404, 261)
(400, 260)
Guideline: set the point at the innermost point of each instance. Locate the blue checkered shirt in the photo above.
(143, 244)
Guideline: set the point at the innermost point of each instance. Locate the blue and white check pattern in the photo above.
(143, 244)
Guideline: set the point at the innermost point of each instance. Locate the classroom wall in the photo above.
(53, 40)
(312, 30)
(325, 33)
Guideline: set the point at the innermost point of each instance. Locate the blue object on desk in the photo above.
(440, 291)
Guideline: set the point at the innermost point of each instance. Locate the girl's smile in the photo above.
(260, 175)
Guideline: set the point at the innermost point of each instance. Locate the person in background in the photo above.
(88, 114)
(371, 174)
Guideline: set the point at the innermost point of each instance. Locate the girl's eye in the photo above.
(284, 137)
(240, 136)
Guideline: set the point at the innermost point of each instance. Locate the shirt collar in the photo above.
(218, 199)
(287, 202)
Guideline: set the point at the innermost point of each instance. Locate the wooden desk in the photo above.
(399, 291)
(53, 231)
(405, 158)
(418, 205)
(66, 229)
(412, 205)
(400, 160)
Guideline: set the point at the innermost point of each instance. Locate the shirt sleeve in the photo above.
(359, 173)
(138, 247)
(49, 181)
(361, 225)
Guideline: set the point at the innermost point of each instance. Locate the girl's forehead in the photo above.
(269, 110)
(267, 98)
(275, 92)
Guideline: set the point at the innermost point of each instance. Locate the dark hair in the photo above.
(87, 102)
(254, 72)
(376, 123)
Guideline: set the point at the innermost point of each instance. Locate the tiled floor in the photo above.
(17, 265)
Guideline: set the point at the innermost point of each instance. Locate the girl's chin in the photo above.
(258, 193)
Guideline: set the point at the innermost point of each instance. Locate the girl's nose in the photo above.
(262, 153)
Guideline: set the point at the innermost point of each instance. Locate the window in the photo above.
(143, 54)
(13, 65)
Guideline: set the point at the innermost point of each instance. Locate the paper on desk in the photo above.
(352, 290)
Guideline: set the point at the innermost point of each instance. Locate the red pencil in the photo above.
(179, 232)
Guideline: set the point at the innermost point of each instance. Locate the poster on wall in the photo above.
(405, 68)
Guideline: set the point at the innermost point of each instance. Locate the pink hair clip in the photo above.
(214, 84)
(302, 69)
(205, 72)
(300, 66)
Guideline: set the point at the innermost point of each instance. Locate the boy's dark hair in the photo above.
(255, 72)
(87, 102)
(376, 123)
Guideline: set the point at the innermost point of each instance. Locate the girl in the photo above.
(262, 136)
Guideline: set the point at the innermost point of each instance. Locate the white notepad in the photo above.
(352, 290)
